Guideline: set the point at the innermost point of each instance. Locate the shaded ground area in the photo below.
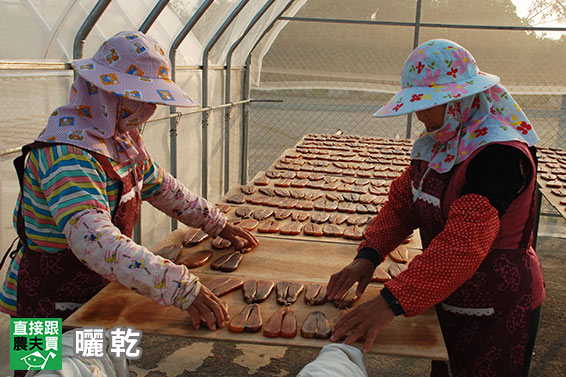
(173, 356)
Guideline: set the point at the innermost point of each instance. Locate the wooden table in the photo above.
(277, 260)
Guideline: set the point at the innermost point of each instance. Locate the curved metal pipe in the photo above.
(415, 44)
(152, 16)
(227, 99)
(246, 96)
(87, 26)
(173, 109)
(172, 57)
(204, 99)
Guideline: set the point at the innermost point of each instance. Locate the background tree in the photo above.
(546, 11)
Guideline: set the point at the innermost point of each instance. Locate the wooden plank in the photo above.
(414, 242)
(281, 259)
(302, 236)
(276, 260)
(116, 305)
(554, 200)
(552, 162)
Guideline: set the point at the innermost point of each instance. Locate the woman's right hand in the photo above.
(239, 237)
(360, 270)
(208, 308)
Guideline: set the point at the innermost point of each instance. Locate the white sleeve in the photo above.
(104, 249)
(336, 360)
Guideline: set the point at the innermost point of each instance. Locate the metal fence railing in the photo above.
(275, 126)
(346, 69)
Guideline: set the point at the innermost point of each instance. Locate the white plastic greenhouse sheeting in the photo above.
(43, 31)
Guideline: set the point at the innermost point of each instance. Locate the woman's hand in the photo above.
(207, 308)
(239, 237)
(360, 270)
(364, 321)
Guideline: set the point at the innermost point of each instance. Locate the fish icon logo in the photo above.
(37, 360)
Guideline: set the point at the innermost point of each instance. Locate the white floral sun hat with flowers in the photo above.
(133, 65)
(435, 73)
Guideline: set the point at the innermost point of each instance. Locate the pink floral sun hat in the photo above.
(435, 73)
(133, 65)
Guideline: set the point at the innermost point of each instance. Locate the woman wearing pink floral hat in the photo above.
(470, 191)
(82, 184)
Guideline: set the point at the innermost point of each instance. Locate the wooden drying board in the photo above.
(552, 199)
(415, 241)
(335, 174)
(273, 259)
(330, 152)
(282, 259)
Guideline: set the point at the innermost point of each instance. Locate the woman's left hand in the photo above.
(207, 308)
(239, 237)
(366, 320)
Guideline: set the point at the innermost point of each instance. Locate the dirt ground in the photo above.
(172, 356)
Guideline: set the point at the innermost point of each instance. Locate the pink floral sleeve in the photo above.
(174, 199)
(104, 249)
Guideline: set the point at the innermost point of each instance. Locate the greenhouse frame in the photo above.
(265, 74)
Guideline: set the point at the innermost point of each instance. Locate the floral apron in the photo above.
(485, 321)
(56, 284)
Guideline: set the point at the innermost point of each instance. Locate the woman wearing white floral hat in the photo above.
(82, 185)
(470, 191)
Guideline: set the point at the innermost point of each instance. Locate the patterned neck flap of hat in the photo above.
(100, 122)
(471, 122)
